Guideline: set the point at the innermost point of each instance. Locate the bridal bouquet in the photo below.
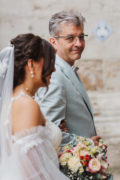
(83, 160)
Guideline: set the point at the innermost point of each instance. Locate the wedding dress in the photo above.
(31, 153)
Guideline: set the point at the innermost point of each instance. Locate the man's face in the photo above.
(70, 43)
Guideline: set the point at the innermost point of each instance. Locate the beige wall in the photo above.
(101, 59)
(32, 16)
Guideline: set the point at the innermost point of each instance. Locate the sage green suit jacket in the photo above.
(66, 99)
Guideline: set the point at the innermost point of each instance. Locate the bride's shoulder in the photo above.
(26, 113)
(25, 103)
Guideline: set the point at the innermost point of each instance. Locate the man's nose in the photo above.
(78, 42)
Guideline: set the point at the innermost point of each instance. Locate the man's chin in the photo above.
(76, 57)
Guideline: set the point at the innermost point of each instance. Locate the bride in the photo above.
(28, 142)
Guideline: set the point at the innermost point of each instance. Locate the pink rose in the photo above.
(94, 165)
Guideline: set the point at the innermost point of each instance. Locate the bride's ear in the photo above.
(30, 65)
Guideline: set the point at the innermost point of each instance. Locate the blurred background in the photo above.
(99, 67)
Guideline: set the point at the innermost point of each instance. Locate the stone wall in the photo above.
(100, 74)
(102, 59)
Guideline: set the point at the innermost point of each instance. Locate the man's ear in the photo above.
(53, 42)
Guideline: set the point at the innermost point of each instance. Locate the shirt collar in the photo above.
(61, 62)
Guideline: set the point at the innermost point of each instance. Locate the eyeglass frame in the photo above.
(72, 36)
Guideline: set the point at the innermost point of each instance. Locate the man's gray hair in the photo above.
(65, 17)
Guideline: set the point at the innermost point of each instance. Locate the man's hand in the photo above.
(62, 126)
(96, 140)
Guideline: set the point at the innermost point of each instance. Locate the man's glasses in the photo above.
(72, 38)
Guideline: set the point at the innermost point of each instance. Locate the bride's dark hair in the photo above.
(30, 46)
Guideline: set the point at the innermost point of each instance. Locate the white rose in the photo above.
(64, 158)
(74, 164)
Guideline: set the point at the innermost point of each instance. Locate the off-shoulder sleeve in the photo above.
(37, 156)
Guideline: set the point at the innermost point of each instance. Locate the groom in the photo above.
(66, 102)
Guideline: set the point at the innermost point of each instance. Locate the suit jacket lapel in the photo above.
(70, 74)
(86, 98)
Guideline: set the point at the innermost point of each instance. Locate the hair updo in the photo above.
(29, 46)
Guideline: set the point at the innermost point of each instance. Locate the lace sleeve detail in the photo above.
(37, 156)
(26, 147)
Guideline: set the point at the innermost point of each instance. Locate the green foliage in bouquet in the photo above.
(83, 160)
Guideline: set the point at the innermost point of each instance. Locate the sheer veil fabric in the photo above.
(6, 88)
(30, 154)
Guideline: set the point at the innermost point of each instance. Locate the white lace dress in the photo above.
(33, 155)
